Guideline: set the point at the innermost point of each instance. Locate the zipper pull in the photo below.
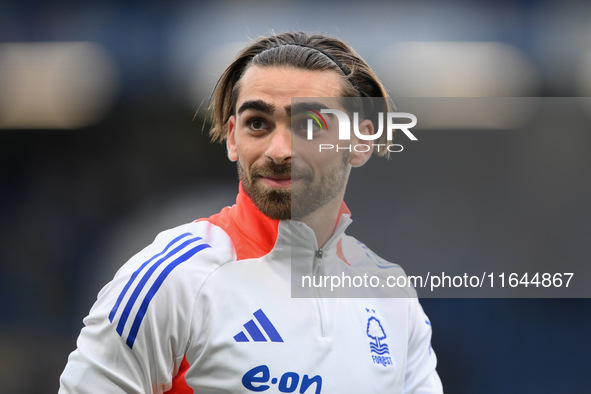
(319, 253)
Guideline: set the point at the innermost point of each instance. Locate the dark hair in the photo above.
(303, 51)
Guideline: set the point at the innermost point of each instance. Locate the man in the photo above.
(207, 307)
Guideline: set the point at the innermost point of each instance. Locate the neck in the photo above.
(324, 220)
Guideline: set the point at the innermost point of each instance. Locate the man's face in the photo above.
(285, 179)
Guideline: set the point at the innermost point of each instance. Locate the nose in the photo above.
(279, 148)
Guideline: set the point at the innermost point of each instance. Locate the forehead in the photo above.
(279, 84)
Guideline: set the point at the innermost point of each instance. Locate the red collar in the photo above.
(252, 232)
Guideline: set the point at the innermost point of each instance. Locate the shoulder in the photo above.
(364, 260)
(159, 284)
(136, 332)
(360, 255)
(193, 249)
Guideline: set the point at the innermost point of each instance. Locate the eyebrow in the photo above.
(300, 107)
(257, 105)
(268, 108)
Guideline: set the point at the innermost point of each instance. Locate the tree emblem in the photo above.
(377, 333)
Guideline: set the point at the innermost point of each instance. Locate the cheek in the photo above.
(248, 154)
(328, 163)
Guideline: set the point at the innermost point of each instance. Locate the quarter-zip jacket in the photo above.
(208, 308)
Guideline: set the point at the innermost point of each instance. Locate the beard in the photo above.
(304, 197)
(273, 202)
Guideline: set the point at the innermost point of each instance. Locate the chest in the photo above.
(254, 337)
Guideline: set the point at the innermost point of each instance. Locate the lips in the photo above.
(277, 175)
(275, 181)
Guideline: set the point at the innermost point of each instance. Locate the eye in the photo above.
(301, 124)
(257, 124)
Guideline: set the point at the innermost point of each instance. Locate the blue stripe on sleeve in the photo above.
(142, 282)
(136, 273)
(155, 286)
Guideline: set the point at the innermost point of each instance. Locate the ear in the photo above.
(357, 159)
(231, 139)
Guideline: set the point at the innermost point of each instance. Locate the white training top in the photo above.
(208, 308)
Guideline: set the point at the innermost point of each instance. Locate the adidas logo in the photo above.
(255, 332)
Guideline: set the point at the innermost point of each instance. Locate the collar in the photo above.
(253, 233)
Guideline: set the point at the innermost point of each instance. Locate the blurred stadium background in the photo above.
(101, 150)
